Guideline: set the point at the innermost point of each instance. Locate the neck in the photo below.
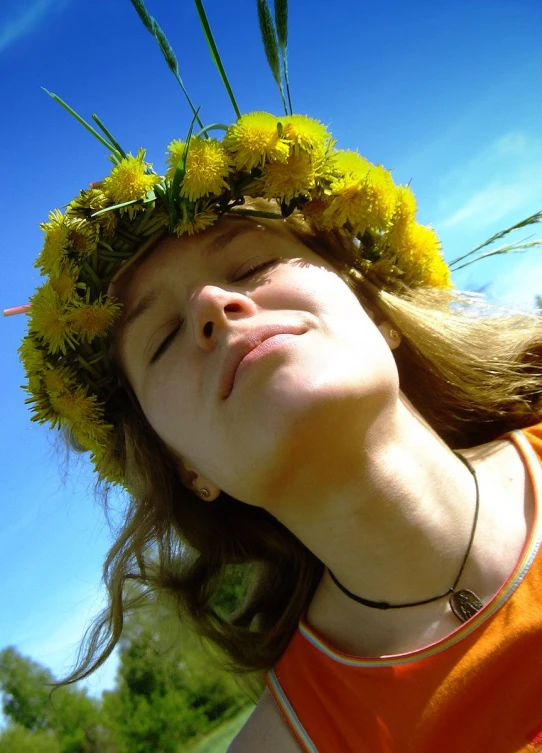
(390, 516)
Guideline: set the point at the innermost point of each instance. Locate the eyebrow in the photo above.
(149, 299)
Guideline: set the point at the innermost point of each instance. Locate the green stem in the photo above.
(534, 218)
(92, 274)
(140, 251)
(83, 122)
(85, 364)
(120, 150)
(256, 213)
(124, 204)
(194, 110)
(514, 248)
(213, 127)
(215, 54)
(287, 82)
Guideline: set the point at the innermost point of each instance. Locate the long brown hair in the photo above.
(473, 371)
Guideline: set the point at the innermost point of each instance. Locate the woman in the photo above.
(256, 377)
(291, 389)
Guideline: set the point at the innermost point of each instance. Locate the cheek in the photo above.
(168, 405)
(331, 298)
(311, 286)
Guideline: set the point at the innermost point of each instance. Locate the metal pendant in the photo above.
(465, 604)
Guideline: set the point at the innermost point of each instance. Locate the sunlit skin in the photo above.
(316, 431)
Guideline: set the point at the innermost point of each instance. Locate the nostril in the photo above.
(208, 329)
(232, 307)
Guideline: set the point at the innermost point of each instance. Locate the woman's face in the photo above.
(245, 415)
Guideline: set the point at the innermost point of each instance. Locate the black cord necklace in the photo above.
(464, 603)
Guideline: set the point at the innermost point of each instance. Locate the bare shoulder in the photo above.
(265, 731)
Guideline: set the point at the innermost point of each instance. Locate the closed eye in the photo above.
(164, 345)
(253, 270)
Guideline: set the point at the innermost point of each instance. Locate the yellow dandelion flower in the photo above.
(55, 246)
(129, 179)
(57, 381)
(363, 203)
(421, 260)
(109, 469)
(191, 224)
(32, 355)
(384, 273)
(77, 410)
(88, 320)
(254, 139)
(305, 133)
(207, 166)
(42, 409)
(284, 180)
(65, 285)
(87, 203)
(33, 358)
(350, 164)
(403, 214)
(175, 151)
(83, 235)
(93, 437)
(49, 320)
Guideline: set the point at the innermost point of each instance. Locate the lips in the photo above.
(240, 347)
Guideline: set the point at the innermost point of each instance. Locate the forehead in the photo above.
(185, 251)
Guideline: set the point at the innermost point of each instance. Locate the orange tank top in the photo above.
(479, 690)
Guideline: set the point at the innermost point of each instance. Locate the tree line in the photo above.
(169, 693)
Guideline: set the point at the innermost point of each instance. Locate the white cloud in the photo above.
(489, 204)
(26, 20)
(501, 182)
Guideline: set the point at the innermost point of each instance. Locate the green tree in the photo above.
(169, 690)
(25, 687)
(67, 716)
(17, 739)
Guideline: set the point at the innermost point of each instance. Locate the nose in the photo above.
(211, 309)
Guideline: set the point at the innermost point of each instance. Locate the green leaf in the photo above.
(144, 15)
(215, 54)
(181, 165)
(167, 49)
(511, 248)
(98, 122)
(270, 45)
(281, 22)
(152, 25)
(256, 213)
(212, 127)
(124, 204)
(175, 199)
(533, 219)
(84, 123)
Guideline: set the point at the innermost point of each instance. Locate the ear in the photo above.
(196, 482)
(390, 333)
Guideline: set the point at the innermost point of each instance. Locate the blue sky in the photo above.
(445, 94)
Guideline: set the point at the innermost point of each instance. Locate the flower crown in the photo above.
(290, 159)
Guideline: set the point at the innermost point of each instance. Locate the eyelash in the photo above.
(167, 340)
(165, 343)
(255, 269)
